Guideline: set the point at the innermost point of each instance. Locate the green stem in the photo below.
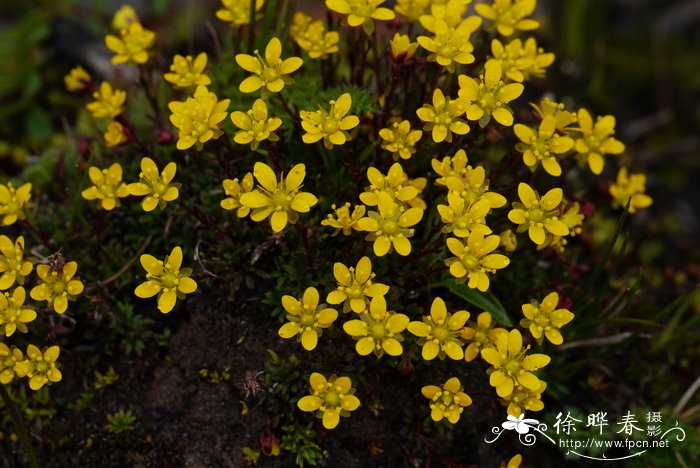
(251, 28)
(20, 427)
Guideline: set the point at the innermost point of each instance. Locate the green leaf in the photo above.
(483, 300)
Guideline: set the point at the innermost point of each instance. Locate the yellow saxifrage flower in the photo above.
(450, 46)
(509, 16)
(13, 266)
(154, 185)
(392, 184)
(461, 217)
(233, 188)
(186, 72)
(412, 10)
(390, 226)
(355, 286)
(123, 17)
(630, 187)
(343, 220)
(538, 216)
(330, 399)
(107, 102)
(378, 331)
(331, 126)
(524, 399)
(361, 12)
(270, 72)
(255, 126)
(40, 368)
(442, 118)
(13, 314)
(107, 186)
(167, 279)
(481, 334)
(447, 401)
(315, 40)
(77, 79)
(596, 140)
(307, 318)
(573, 218)
(281, 202)
(400, 139)
(198, 118)
(440, 332)
(402, 48)
(132, 45)
(511, 365)
(9, 359)
(473, 259)
(237, 12)
(563, 118)
(544, 319)
(57, 287)
(543, 146)
(115, 134)
(489, 96)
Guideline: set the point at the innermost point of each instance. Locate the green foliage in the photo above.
(299, 440)
(121, 421)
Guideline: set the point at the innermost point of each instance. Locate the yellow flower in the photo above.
(543, 146)
(520, 62)
(123, 17)
(596, 140)
(473, 259)
(402, 48)
(630, 187)
(355, 286)
(107, 186)
(390, 227)
(474, 186)
(511, 365)
(57, 287)
(509, 16)
(198, 118)
(330, 399)
(442, 117)
(508, 240)
(482, 334)
(132, 45)
(447, 401)
(255, 126)
(315, 40)
(237, 12)
(270, 72)
(155, 185)
(489, 96)
(233, 190)
(13, 314)
(9, 359)
(187, 71)
(107, 102)
(440, 332)
(12, 202)
(281, 202)
(167, 279)
(456, 166)
(361, 12)
(461, 217)
(378, 331)
(400, 139)
(40, 368)
(450, 46)
(391, 185)
(343, 220)
(524, 399)
(300, 23)
(538, 216)
(563, 118)
(115, 134)
(13, 266)
(332, 126)
(573, 219)
(412, 10)
(545, 319)
(307, 318)
(451, 12)
(77, 80)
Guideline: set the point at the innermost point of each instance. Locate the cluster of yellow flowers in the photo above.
(57, 284)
